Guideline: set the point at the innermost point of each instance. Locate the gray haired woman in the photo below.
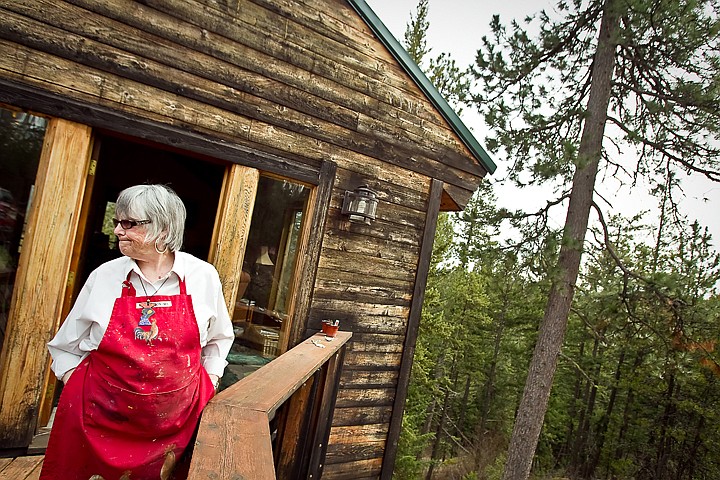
(141, 351)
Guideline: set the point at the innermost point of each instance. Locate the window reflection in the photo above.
(21, 139)
(261, 312)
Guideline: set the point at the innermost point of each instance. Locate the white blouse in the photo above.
(86, 323)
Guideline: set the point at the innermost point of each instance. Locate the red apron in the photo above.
(133, 404)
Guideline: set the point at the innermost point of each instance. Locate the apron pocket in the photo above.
(113, 408)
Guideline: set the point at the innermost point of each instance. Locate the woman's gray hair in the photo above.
(162, 206)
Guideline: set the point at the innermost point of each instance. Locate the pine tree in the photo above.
(648, 72)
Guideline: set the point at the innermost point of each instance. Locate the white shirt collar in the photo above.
(178, 267)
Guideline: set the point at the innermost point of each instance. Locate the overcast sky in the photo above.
(456, 27)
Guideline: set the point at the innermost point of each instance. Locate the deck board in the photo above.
(21, 468)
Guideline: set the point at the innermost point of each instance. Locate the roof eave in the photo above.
(412, 69)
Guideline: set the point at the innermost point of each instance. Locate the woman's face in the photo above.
(132, 242)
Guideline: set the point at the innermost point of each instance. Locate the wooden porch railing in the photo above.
(244, 434)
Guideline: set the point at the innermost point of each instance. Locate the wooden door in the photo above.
(232, 226)
(41, 278)
(72, 287)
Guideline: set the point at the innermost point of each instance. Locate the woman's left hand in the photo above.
(215, 380)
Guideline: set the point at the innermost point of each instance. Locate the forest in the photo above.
(586, 350)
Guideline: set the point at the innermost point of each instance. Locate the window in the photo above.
(261, 313)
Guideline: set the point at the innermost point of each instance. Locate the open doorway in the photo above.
(122, 163)
(118, 164)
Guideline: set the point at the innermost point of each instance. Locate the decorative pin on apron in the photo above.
(145, 314)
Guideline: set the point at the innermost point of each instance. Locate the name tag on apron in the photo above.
(162, 304)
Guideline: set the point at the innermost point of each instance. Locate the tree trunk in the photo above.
(463, 406)
(488, 391)
(664, 441)
(584, 446)
(430, 416)
(605, 421)
(629, 404)
(487, 396)
(533, 405)
(449, 410)
(567, 448)
(578, 441)
(689, 463)
(438, 436)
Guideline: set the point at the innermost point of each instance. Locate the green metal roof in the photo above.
(397, 50)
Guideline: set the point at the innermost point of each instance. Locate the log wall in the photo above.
(304, 81)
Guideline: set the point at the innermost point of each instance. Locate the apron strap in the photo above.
(128, 290)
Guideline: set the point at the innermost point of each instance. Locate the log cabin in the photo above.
(273, 120)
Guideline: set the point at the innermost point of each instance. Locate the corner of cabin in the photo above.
(448, 204)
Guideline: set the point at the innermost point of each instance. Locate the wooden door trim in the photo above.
(50, 384)
(309, 256)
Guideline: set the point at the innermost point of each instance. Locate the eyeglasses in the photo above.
(128, 224)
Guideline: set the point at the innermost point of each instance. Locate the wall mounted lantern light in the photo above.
(360, 204)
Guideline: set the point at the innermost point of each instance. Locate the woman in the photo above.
(141, 351)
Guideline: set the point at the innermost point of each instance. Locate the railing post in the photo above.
(222, 429)
(333, 369)
(293, 442)
(234, 438)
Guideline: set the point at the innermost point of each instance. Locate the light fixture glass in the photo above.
(360, 205)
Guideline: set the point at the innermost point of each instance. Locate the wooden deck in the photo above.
(21, 468)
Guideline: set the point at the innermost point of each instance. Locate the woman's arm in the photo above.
(220, 333)
(65, 346)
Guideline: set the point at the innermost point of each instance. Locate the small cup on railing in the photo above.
(330, 328)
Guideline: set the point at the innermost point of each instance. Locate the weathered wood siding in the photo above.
(251, 81)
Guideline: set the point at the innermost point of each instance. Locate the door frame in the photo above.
(54, 230)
